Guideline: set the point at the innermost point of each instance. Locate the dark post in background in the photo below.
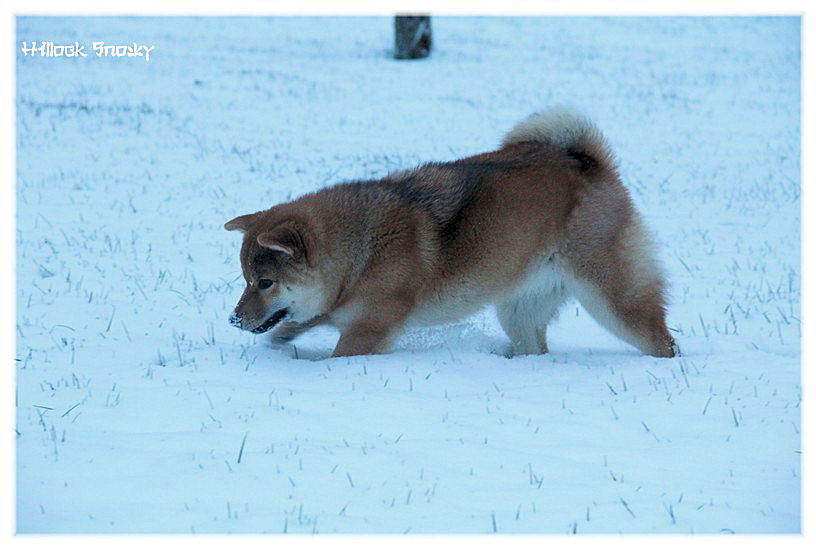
(412, 36)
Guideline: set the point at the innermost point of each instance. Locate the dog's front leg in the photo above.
(366, 338)
(288, 330)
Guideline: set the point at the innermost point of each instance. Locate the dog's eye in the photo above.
(264, 283)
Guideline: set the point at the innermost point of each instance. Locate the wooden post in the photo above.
(412, 36)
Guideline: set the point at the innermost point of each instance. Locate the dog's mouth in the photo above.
(271, 321)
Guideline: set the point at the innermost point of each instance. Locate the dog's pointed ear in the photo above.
(286, 238)
(240, 223)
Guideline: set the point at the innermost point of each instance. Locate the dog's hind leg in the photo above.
(636, 316)
(623, 288)
(524, 317)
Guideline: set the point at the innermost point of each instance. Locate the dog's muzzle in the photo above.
(267, 325)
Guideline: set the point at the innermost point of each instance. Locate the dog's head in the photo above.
(278, 266)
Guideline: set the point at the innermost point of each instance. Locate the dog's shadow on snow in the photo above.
(319, 343)
(469, 337)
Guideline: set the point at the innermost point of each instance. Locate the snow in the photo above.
(140, 409)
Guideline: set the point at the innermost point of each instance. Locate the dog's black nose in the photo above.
(235, 320)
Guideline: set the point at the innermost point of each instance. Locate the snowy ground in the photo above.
(139, 409)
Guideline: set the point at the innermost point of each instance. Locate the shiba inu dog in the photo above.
(542, 218)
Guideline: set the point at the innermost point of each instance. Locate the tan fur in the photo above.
(524, 227)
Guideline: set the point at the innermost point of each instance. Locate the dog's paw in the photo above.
(285, 333)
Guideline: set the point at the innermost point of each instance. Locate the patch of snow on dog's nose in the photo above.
(235, 320)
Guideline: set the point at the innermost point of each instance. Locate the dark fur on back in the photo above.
(447, 205)
(447, 190)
